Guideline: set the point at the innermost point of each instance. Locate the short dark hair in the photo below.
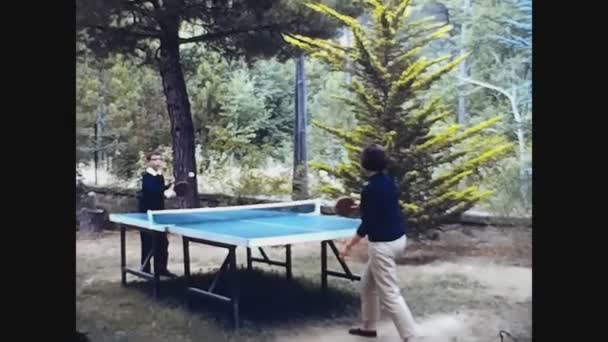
(374, 158)
(149, 155)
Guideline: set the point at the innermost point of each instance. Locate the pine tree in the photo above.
(135, 116)
(431, 157)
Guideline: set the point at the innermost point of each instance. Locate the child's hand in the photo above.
(345, 251)
(170, 193)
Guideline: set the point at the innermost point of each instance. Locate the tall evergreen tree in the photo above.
(430, 157)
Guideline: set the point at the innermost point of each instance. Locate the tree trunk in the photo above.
(521, 143)
(462, 70)
(178, 107)
(300, 160)
(348, 37)
(462, 97)
(99, 121)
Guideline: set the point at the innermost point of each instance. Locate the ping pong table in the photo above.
(249, 226)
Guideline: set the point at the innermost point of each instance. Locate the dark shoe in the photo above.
(363, 333)
(167, 274)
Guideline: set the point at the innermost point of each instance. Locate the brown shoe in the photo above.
(363, 333)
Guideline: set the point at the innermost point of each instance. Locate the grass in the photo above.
(459, 286)
(267, 301)
(266, 298)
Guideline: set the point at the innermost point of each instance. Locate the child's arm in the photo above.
(361, 231)
(352, 242)
(168, 189)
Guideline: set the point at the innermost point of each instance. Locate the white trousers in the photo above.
(380, 288)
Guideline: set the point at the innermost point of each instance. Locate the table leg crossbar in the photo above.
(266, 260)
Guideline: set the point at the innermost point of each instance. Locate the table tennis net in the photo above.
(175, 217)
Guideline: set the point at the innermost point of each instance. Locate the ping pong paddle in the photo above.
(181, 188)
(345, 206)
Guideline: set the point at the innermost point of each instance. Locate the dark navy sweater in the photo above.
(152, 192)
(381, 218)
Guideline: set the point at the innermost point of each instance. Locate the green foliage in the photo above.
(237, 113)
(499, 69)
(499, 39)
(87, 86)
(387, 97)
(326, 107)
(274, 84)
(134, 112)
(510, 197)
(253, 182)
(245, 112)
(243, 116)
(224, 88)
(236, 27)
(153, 32)
(79, 179)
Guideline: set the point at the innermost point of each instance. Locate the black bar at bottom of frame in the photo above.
(208, 294)
(343, 275)
(139, 273)
(269, 262)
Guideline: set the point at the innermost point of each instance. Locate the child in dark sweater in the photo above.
(384, 226)
(153, 194)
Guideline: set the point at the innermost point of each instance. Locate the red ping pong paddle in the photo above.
(345, 206)
(181, 188)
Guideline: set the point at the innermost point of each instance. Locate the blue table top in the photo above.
(247, 228)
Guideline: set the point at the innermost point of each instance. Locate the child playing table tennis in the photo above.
(385, 229)
(153, 194)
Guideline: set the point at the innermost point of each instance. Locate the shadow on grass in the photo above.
(266, 298)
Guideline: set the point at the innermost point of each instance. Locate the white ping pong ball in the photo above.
(191, 174)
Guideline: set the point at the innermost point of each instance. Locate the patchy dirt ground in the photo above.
(467, 286)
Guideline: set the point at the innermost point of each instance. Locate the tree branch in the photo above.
(516, 115)
(155, 4)
(510, 96)
(131, 31)
(487, 85)
(136, 2)
(222, 34)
